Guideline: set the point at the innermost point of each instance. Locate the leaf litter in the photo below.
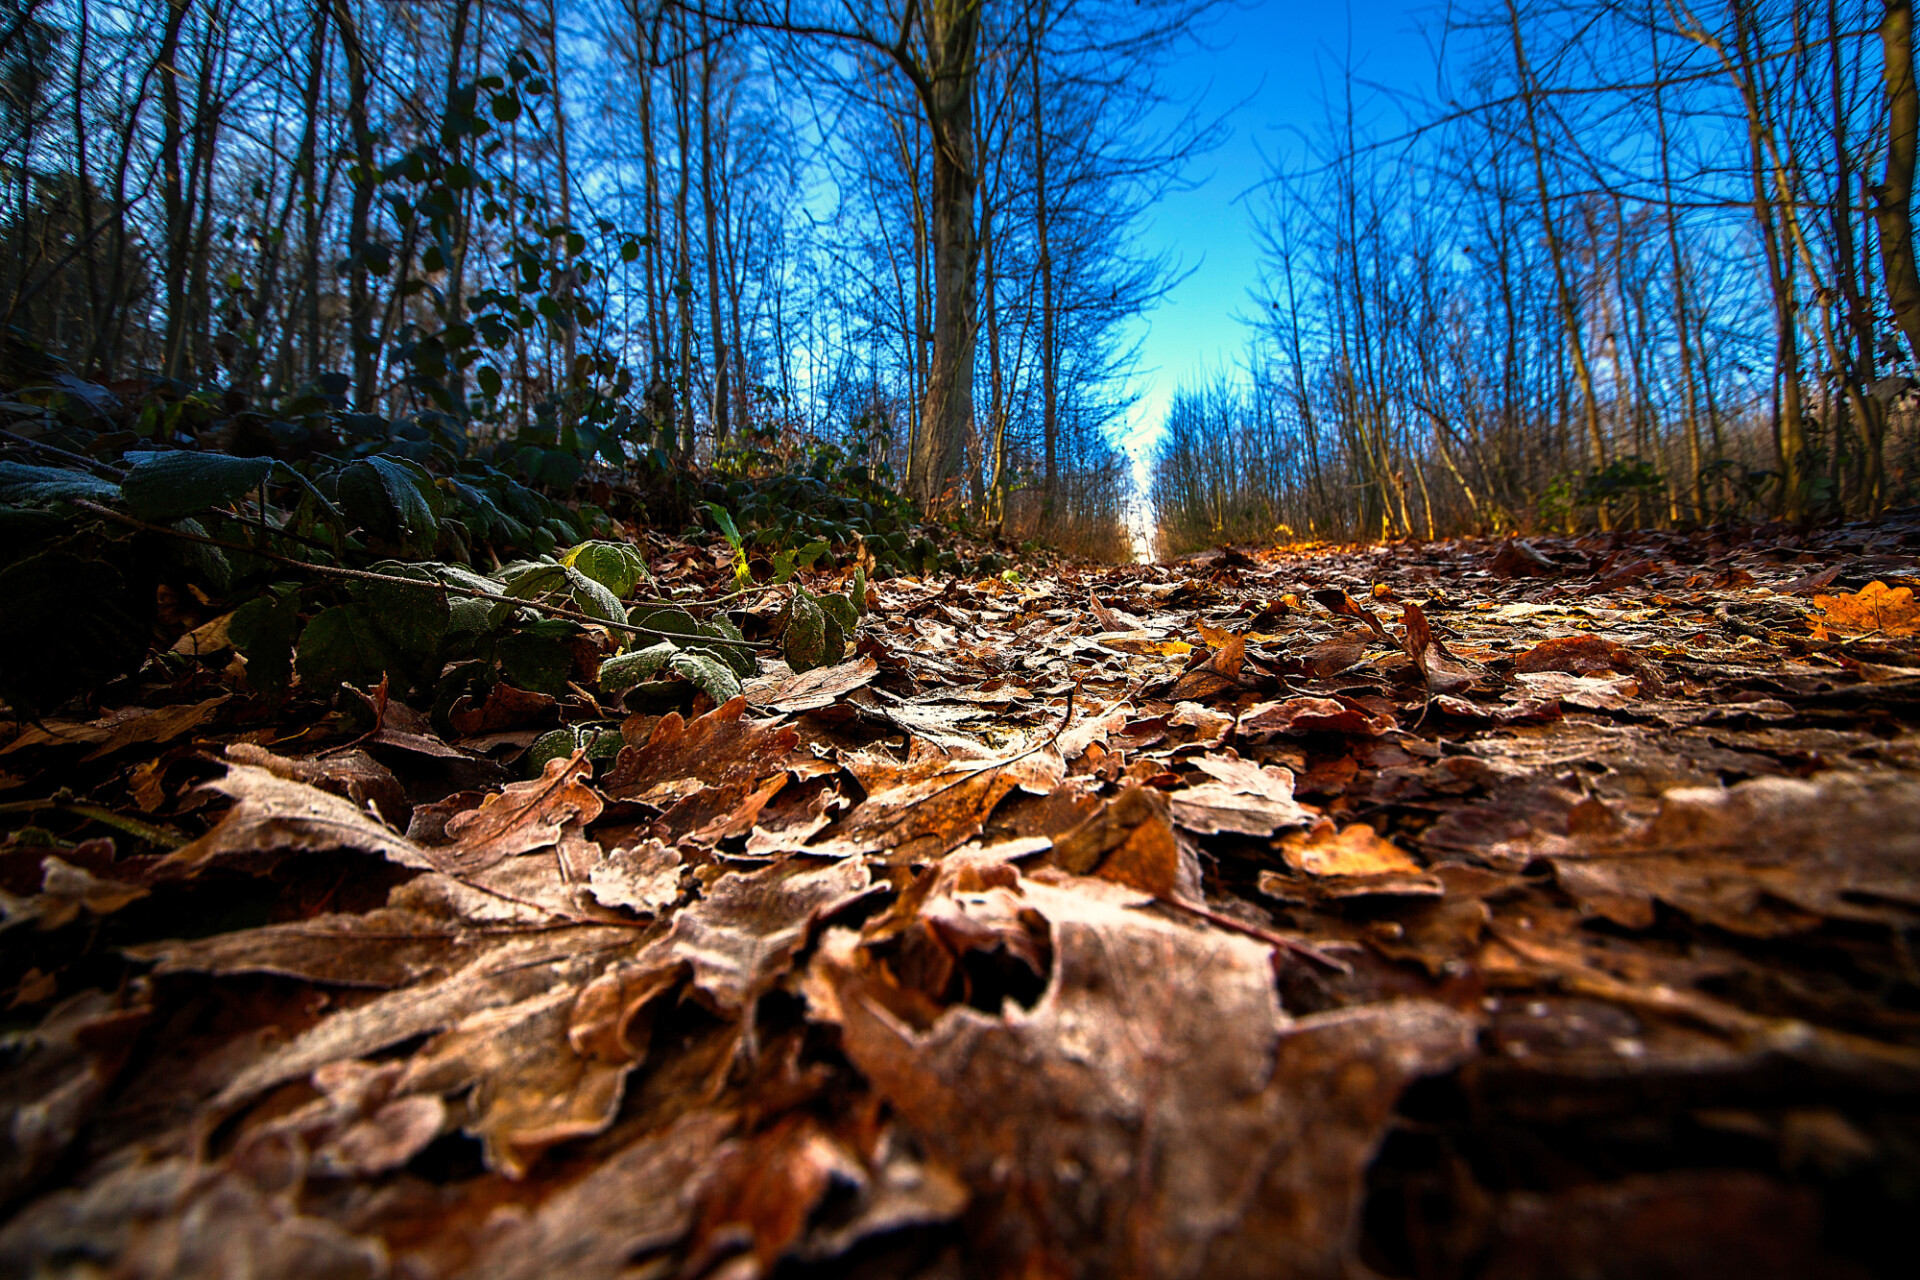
(1510, 909)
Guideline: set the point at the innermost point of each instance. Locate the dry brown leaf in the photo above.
(505, 707)
(645, 879)
(1314, 715)
(1442, 671)
(1244, 798)
(1874, 610)
(1341, 653)
(522, 818)
(1356, 850)
(272, 813)
(1764, 857)
(353, 774)
(1148, 1072)
(66, 890)
(678, 758)
(933, 802)
(1580, 655)
(1130, 841)
(127, 727)
(811, 690)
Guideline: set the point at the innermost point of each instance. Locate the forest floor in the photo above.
(1516, 909)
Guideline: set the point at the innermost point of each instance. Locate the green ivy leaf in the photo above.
(622, 672)
(263, 630)
(805, 641)
(25, 485)
(342, 645)
(617, 566)
(708, 673)
(390, 500)
(167, 486)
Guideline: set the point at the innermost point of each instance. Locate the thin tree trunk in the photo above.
(719, 405)
(1893, 198)
(359, 210)
(952, 36)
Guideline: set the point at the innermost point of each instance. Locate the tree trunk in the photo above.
(1893, 198)
(720, 404)
(307, 174)
(359, 292)
(1049, 348)
(952, 33)
(173, 192)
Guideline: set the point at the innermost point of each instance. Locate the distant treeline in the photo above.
(1638, 262)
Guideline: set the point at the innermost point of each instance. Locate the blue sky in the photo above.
(1283, 59)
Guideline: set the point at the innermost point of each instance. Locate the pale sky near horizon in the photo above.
(1270, 66)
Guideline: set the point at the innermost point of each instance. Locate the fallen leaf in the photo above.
(1313, 715)
(1765, 857)
(272, 814)
(1441, 670)
(1874, 610)
(123, 729)
(1354, 850)
(1244, 797)
(1200, 1129)
(522, 818)
(1580, 655)
(810, 690)
(353, 774)
(1131, 842)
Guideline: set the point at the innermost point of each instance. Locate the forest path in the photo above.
(1083, 922)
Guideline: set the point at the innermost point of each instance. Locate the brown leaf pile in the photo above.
(1126, 922)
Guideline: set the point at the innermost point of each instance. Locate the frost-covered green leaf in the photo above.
(593, 599)
(341, 645)
(805, 641)
(600, 740)
(617, 566)
(468, 614)
(528, 580)
(209, 562)
(708, 673)
(263, 630)
(176, 483)
(841, 610)
(413, 619)
(391, 498)
(30, 486)
(737, 655)
(534, 661)
(622, 672)
(664, 618)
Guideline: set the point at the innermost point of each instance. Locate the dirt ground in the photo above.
(1501, 909)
